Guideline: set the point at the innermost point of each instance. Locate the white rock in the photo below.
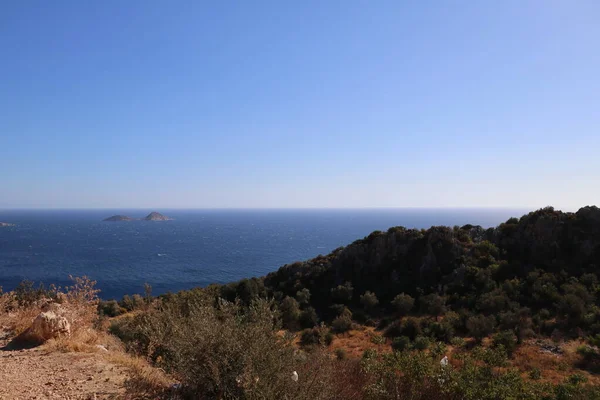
(48, 325)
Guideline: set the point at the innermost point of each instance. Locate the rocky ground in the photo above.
(38, 373)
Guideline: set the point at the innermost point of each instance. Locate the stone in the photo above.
(48, 325)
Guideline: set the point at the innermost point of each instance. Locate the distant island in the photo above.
(153, 216)
(5, 224)
(119, 218)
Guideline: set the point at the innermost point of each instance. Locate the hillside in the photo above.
(461, 313)
(509, 312)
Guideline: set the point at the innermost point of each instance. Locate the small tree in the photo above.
(480, 326)
(369, 300)
(342, 293)
(403, 303)
(433, 304)
(341, 324)
(303, 296)
(506, 339)
(309, 318)
(290, 312)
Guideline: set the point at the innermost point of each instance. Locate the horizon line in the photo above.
(284, 208)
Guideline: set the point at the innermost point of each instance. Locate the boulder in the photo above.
(48, 325)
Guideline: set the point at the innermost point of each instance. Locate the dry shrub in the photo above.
(77, 303)
(86, 341)
(226, 351)
(144, 380)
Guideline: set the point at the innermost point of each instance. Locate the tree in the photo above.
(342, 293)
(403, 303)
(341, 324)
(303, 296)
(309, 318)
(369, 300)
(433, 304)
(290, 312)
(506, 339)
(480, 326)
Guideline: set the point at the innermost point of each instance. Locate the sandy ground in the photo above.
(40, 374)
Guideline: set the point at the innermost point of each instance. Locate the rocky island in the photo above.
(116, 218)
(153, 216)
(5, 224)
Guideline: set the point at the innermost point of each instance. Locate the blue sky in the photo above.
(189, 104)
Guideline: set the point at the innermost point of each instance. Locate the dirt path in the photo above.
(40, 374)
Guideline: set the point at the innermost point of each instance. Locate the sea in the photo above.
(196, 248)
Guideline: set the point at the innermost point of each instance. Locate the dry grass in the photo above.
(356, 341)
(85, 341)
(17, 321)
(145, 381)
(555, 368)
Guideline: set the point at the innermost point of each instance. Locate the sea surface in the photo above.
(197, 248)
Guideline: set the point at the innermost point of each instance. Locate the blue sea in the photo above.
(197, 248)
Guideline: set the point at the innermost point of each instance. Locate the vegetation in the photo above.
(458, 312)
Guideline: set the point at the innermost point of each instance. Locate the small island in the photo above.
(5, 224)
(116, 218)
(153, 216)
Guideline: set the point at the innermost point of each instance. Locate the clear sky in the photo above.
(194, 104)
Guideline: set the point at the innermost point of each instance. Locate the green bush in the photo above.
(228, 351)
(290, 313)
(421, 343)
(342, 293)
(340, 354)
(341, 324)
(401, 343)
(316, 336)
(535, 374)
(369, 300)
(110, 308)
(377, 339)
(403, 303)
(481, 326)
(506, 339)
(308, 318)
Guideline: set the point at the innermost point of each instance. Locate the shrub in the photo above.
(342, 293)
(316, 336)
(309, 318)
(421, 343)
(535, 374)
(401, 343)
(110, 308)
(433, 304)
(480, 326)
(303, 296)
(403, 303)
(340, 354)
(377, 339)
(507, 339)
(228, 351)
(369, 300)
(458, 342)
(290, 312)
(341, 324)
